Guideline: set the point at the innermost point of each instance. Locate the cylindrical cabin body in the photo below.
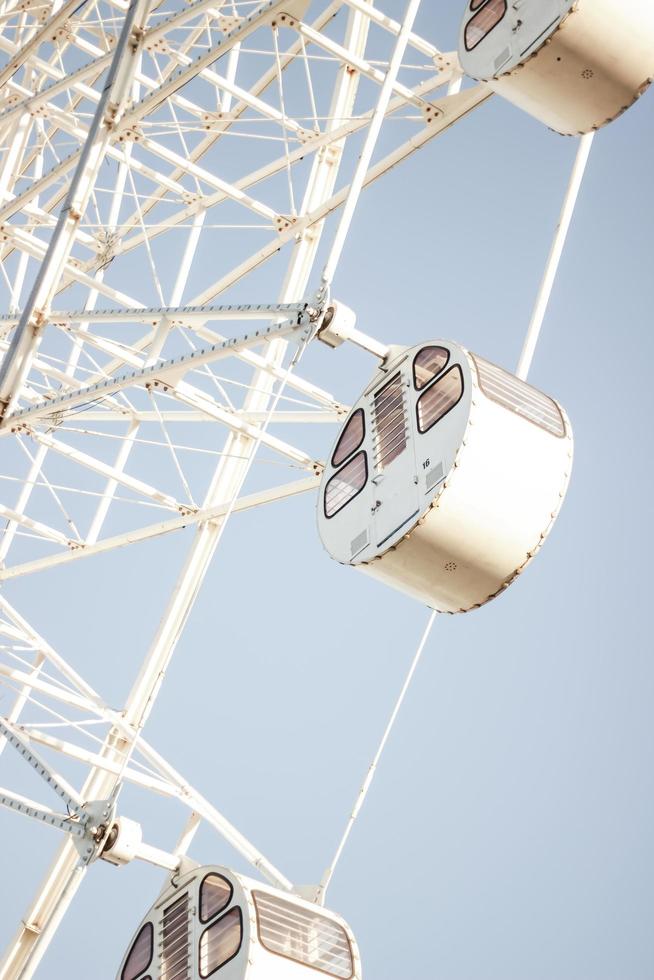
(446, 477)
(573, 64)
(212, 922)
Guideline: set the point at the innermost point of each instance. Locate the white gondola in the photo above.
(214, 922)
(573, 64)
(446, 477)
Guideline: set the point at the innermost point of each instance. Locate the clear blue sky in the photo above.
(508, 835)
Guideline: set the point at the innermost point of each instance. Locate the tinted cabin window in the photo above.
(140, 955)
(440, 398)
(474, 4)
(303, 935)
(215, 895)
(427, 363)
(390, 422)
(519, 397)
(220, 942)
(174, 940)
(351, 438)
(483, 23)
(346, 484)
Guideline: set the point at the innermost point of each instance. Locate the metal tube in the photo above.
(370, 142)
(552, 265)
(17, 361)
(363, 792)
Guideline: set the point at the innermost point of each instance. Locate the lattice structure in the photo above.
(156, 156)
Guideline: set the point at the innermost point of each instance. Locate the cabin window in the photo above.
(351, 438)
(475, 4)
(440, 398)
(346, 484)
(215, 895)
(519, 397)
(390, 422)
(428, 363)
(479, 26)
(174, 941)
(220, 942)
(140, 955)
(300, 934)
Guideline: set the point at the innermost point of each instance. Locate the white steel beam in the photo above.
(23, 696)
(102, 59)
(452, 108)
(394, 27)
(40, 645)
(109, 472)
(58, 692)
(62, 878)
(177, 314)
(312, 144)
(168, 87)
(20, 741)
(49, 533)
(292, 417)
(192, 798)
(126, 446)
(17, 361)
(225, 486)
(153, 783)
(201, 516)
(350, 58)
(39, 37)
(356, 186)
(28, 808)
(197, 399)
(157, 373)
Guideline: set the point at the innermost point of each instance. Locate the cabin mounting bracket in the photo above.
(87, 823)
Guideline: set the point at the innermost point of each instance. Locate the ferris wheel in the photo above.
(179, 183)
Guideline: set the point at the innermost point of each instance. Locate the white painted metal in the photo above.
(82, 346)
(453, 513)
(17, 362)
(576, 66)
(554, 258)
(65, 875)
(163, 373)
(325, 881)
(200, 516)
(282, 937)
(388, 84)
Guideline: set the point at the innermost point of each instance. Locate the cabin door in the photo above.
(396, 490)
(534, 20)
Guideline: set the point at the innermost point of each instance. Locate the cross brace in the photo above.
(155, 372)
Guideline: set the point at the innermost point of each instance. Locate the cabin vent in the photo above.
(502, 59)
(359, 543)
(303, 935)
(434, 476)
(174, 941)
(519, 397)
(390, 422)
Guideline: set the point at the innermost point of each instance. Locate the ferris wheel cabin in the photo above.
(213, 922)
(573, 64)
(446, 477)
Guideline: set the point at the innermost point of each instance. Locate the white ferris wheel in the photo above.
(180, 184)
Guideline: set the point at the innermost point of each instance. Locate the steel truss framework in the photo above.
(138, 138)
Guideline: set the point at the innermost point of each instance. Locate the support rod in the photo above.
(370, 142)
(370, 775)
(560, 235)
